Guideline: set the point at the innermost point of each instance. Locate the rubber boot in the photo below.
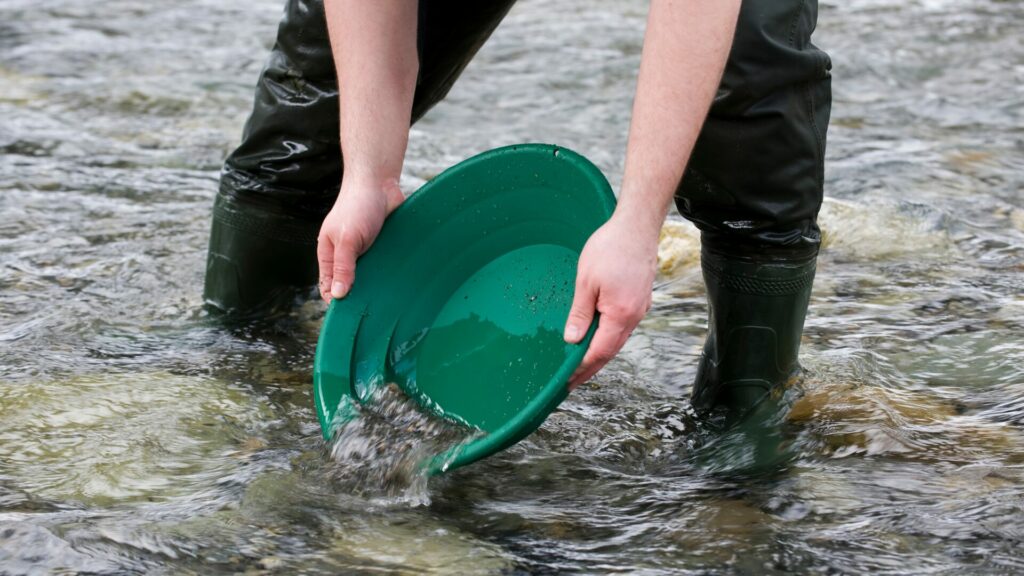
(757, 308)
(743, 388)
(259, 261)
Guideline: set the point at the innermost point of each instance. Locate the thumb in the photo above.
(325, 261)
(344, 268)
(581, 314)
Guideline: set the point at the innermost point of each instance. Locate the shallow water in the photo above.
(136, 437)
(382, 449)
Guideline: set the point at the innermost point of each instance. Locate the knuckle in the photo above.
(584, 282)
(619, 311)
(341, 252)
(349, 238)
(629, 312)
(579, 314)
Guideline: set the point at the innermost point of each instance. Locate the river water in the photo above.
(137, 437)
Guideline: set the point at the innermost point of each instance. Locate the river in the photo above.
(138, 437)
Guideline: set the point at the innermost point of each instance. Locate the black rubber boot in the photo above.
(746, 377)
(258, 261)
(756, 318)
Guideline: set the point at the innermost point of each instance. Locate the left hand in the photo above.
(615, 277)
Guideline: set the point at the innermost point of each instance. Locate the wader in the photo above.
(753, 185)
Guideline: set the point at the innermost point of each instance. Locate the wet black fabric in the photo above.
(290, 155)
(754, 180)
(753, 184)
(279, 184)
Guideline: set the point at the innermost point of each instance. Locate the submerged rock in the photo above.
(102, 439)
(678, 247)
(859, 418)
(29, 549)
(394, 546)
(881, 231)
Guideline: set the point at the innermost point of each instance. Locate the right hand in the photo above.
(349, 229)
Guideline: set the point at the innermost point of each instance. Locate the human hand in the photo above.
(349, 229)
(614, 277)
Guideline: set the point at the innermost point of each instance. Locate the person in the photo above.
(729, 119)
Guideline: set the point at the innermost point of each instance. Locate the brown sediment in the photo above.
(853, 418)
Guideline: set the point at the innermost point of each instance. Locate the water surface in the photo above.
(136, 437)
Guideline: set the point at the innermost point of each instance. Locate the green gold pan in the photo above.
(463, 297)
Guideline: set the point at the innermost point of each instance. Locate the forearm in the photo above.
(374, 46)
(685, 49)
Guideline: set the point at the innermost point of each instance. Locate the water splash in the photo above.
(381, 449)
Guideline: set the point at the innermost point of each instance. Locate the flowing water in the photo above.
(380, 449)
(137, 437)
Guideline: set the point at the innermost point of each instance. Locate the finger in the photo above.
(325, 262)
(581, 314)
(611, 334)
(344, 269)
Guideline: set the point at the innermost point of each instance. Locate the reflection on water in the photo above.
(136, 437)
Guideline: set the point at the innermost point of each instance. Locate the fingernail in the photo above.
(337, 290)
(572, 333)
